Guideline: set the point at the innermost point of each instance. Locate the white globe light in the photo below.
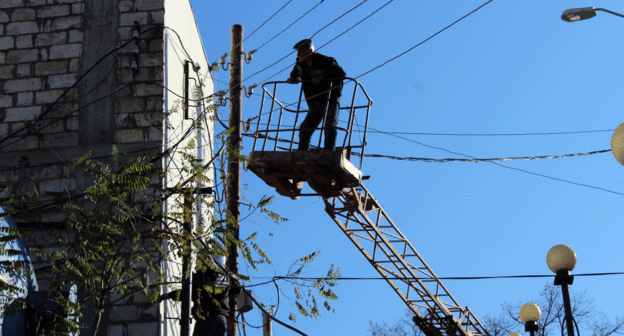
(561, 258)
(617, 144)
(530, 312)
(514, 334)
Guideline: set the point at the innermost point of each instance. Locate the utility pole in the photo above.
(185, 296)
(267, 326)
(233, 147)
(187, 225)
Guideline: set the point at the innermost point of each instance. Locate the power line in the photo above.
(492, 161)
(464, 278)
(353, 26)
(338, 18)
(52, 121)
(565, 156)
(513, 168)
(267, 20)
(318, 31)
(301, 17)
(491, 134)
(558, 179)
(32, 124)
(425, 40)
(344, 32)
(283, 58)
(403, 158)
(364, 19)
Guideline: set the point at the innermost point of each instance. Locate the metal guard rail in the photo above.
(286, 124)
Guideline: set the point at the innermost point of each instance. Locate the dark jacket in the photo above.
(211, 293)
(326, 67)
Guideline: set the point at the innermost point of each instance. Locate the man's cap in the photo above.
(306, 43)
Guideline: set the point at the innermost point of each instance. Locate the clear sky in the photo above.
(512, 67)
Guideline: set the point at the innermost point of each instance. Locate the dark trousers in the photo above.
(211, 326)
(316, 111)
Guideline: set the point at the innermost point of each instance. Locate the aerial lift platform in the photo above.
(333, 176)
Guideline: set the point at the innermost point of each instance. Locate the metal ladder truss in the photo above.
(367, 225)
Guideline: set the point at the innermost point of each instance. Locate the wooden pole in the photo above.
(233, 177)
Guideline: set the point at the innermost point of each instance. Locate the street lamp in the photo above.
(561, 259)
(578, 14)
(514, 334)
(617, 144)
(530, 314)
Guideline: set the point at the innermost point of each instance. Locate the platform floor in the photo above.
(327, 173)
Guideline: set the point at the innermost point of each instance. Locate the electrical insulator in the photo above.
(250, 56)
(250, 89)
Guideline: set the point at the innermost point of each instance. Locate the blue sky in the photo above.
(512, 67)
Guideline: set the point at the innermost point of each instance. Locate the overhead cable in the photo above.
(364, 19)
(425, 40)
(513, 168)
(565, 156)
(338, 18)
(318, 31)
(267, 20)
(301, 17)
(344, 32)
(283, 58)
(529, 276)
(491, 134)
(53, 105)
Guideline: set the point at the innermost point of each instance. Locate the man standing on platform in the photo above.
(322, 80)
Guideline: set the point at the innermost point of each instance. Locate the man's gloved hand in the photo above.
(316, 80)
(292, 80)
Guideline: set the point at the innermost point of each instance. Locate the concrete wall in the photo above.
(45, 47)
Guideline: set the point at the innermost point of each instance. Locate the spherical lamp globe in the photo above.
(530, 312)
(561, 258)
(617, 144)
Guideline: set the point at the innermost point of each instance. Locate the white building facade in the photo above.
(81, 76)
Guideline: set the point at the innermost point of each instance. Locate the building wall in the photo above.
(182, 43)
(62, 94)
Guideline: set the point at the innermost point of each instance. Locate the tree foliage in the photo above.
(121, 228)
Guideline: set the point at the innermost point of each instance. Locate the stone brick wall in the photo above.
(40, 52)
(45, 47)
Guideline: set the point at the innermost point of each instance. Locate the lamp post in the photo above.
(530, 313)
(578, 14)
(561, 259)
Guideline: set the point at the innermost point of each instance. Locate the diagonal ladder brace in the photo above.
(370, 229)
